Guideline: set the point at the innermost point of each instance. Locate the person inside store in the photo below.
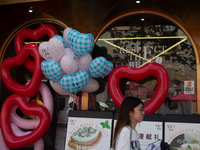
(131, 112)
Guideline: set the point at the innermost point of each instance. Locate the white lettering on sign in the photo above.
(144, 53)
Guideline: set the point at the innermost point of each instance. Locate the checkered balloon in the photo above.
(51, 70)
(97, 67)
(109, 67)
(74, 83)
(80, 43)
(43, 67)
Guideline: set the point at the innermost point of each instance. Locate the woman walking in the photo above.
(125, 136)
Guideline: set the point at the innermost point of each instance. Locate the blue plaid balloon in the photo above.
(43, 67)
(97, 67)
(74, 83)
(61, 39)
(109, 67)
(80, 43)
(51, 70)
(90, 36)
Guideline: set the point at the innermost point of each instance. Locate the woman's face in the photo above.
(137, 115)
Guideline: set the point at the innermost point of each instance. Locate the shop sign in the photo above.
(142, 53)
(148, 132)
(189, 87)
(88, 133)
(139, 55)
(182, 136)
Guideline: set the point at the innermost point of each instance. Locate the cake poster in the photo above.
(88, 134)
(149, 132)
(182, 136)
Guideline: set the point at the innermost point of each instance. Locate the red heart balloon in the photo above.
(37, 34)
(10, 139)
(138, 74)
(31, 88)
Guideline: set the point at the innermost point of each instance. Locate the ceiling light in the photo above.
(137, 2)
(30, 10)
(142, 19)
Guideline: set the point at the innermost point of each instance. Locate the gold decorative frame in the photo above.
(169, 17)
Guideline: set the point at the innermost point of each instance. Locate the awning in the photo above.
(183, 96)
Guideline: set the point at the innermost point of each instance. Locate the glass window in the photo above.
(137, 39)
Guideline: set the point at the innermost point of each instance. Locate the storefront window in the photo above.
(135, 40)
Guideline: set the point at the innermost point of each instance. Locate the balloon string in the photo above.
(74, 97)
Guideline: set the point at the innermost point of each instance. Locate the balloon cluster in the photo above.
(68, 63)
(11, 135)
(65, 61)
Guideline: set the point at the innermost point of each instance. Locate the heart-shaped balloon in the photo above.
(61, 39)
(31, 88)
(43, 50)
(65, 35)
(51, 70)
(109, 67)
(2, 143)
(56, 86)
(13, 141)
(74, 83)
(80, 43)
(84, 62)
(91, 86)
(69, 62)
(43, 67)
(98, 67)
(33, 123)
(138, 74)
(53, 50)
(38, 145)
(37, 34)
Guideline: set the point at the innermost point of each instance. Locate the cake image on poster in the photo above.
(87, 137)
(186, 141)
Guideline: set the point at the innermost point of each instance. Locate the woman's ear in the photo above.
(130, 113)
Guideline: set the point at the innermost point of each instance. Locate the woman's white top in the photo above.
(124, 142)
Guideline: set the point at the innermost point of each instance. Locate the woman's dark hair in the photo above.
(127, 105)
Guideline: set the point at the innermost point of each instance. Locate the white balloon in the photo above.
(84, 62)
(91, 86)
(52, 50)
(65, 35)
(69, 62)
(44, 52)
(56, 49)
(56, 86)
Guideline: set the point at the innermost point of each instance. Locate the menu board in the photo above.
(149, 130)
(89, 130)
(182, 132)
